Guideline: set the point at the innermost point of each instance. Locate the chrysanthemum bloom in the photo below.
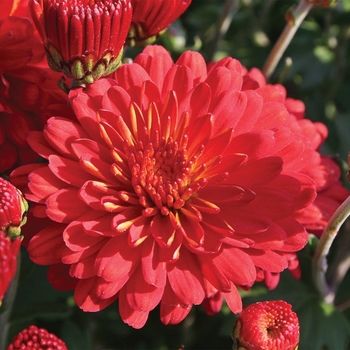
(171, 186)
(150, 17)
(13, 208)
(36, 338)
(83, 39)
(268, 325)
(28, 88)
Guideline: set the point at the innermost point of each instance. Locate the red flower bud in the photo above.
(13, 208)
(36, 338)
(12, 216)
(266, 325)
(83, 39)
(150, 17)
(8, 261)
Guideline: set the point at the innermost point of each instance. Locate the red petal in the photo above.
(244, 222)
(85, 108)
(268, 260)
(139, 231)
(251, 113)
(154, 271)
(296, 235)
(180, 80)
(43, 246)
(106, 290)
(233, 300)
(172, 309)
(86, 298)
(76, 239)
(156, 63)
(139, 294)
(84, 268)
(257, 172)
(185, 278)
(58, 276)
(236, 265)
(68, 171)
(162, 230)
(196, 63)
(43, 183)
(95, 149)
(60, 133)
(38, 143)
(65, 206)
(117, 259)
(134, 318)
(213, 274)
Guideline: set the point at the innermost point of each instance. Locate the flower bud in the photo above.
(83, 39)
(266, 325)
(9, 250)
(150, 17)
(36, 338)
(13, 209)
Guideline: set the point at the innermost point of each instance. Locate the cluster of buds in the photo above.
(36, 338)
(85, 39)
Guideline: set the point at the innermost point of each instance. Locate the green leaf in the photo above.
(322, 326)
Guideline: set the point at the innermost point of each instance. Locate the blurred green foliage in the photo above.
(320, 76)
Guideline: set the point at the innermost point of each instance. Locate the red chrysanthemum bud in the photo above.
(13, 208)
(323, 3)
(268, 325)
(36, 338)
(8, 261)
(150, 17)
(83, 39)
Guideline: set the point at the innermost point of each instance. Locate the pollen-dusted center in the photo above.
(161, 176)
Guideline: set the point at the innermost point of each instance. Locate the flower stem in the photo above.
(297, 16)
(222, 25)
(319, 265)
(7, 305)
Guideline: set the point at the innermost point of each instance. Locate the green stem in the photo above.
(298, 14)
(222, 25)
(319, 265)
(7, 305)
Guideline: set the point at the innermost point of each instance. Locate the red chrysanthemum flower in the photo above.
(150, 17)
(268, 325)
(171, 186)
(28, 88)
(13, 208)
(36, 338)
(83, 39)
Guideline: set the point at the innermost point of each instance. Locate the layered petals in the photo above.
(159, 198)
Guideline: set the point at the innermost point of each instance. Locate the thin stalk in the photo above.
(7, 305)
(298, 14)
(319, 264)
(222, 25)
